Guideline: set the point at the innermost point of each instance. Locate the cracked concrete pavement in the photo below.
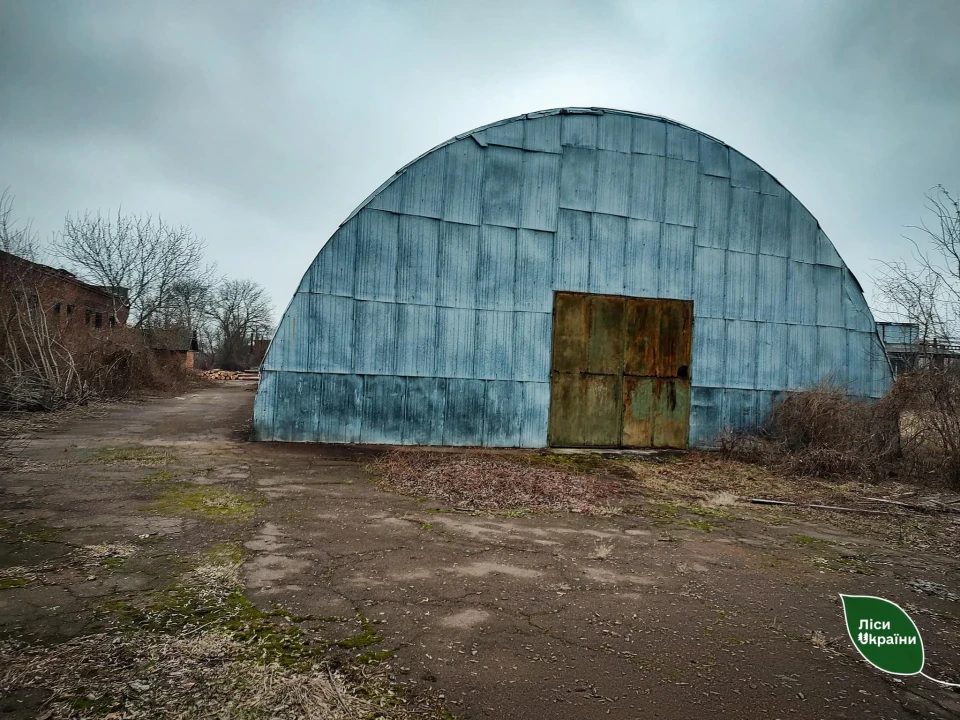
(541, 616)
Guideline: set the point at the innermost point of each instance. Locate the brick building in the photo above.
(62, 296)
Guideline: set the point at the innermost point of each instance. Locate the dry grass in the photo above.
(484, 481)
(199, 651)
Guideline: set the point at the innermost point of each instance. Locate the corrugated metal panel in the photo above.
(497, 265)
(608, 235)
(856, 313)
(297, 316)
(382, 414)
(772, 356)
(535, 413)
(646, 187)
(744, 172)
(680, 192)
(769, 185)
(801, 356)
(860, 358)
(714, 158)
(531, 346)
(333, 270)
(801, 293)
(579, 130)
(463, 424)
(502, 176)
(503, 405)
(464, 178)
(534, 273)
(741, 367)
(774, 227)
(340, 401)
(683, 143)
(744, 220)
(706, 407)
(327, 343)
(803, 233)
(880, 370)
(709, 351)
(676, 262)
(424, 411)
(615, 132)
(417, 260)
(740, 413)
(457, 265)
(509, 134)
(578, 179)
(376, 249)
(302, 413)
(264, 405)
(829, 284)
(389, 197)
(456, 332)
(713, 226)
(765, 403)
(494, 345)
(416, 340)
(832, 356)
(772, 289)
(540, 191)
(542, 134)
(649, 136)
(709, 275)
(741, 286)
(613, 182)
(826, 252)
(642, 259)
(423, 187)
(375, 338)
(571, 259)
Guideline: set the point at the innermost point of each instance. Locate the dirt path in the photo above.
(657, 613)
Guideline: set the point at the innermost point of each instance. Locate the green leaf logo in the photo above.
(884, 634)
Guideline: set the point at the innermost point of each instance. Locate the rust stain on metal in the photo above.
(620, 371)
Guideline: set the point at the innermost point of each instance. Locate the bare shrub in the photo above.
(824, 433)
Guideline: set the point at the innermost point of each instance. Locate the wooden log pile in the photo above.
(220, 374)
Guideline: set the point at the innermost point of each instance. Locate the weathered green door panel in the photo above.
(571, 328)
(566, 410)
(620, 371)
(605, 343)
(641, 334)
(638, 408)
(671, 412)
(601, 417)
(675, 338)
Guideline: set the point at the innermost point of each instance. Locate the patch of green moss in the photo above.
(373, 657)
(111, 562)
(161, 476)
(711, 512)
(132, 454)
(703, 525)
(225, 553)
(807, 541)
(425, 525)
(13, 582)
(514, 513)
(366, 637)
(208, 501)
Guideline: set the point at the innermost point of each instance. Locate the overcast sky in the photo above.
(263, 124)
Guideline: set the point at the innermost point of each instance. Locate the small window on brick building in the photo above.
(113, 321)
(98, 320)
(56, 308)
(69, 309)
(86, 317)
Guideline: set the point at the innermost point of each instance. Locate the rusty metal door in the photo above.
(620, 372)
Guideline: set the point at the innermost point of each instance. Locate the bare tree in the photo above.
(14, 238)
(146, 257)
(925, 290)
(241, 313)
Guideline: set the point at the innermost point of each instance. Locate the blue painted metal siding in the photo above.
(426, 318)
